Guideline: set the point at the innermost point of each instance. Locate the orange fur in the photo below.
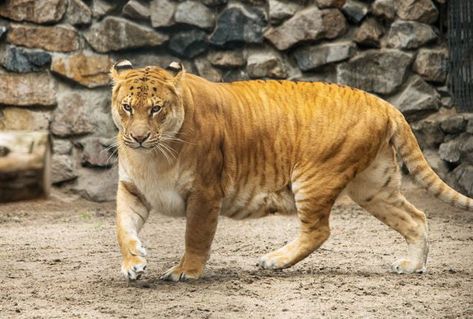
(252, 148)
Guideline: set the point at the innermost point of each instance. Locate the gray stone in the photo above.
(136, 10)
(188, 44)
(409, 35)
(437, 164)
(23, 60)
(454, 124)
(447, 102)
(71, 116)
(265, 64)
(238, 24)
(369, 33)
(27, 89)
(194, 13)
(113, 34)
(469, 126)
(78, 13)
(280, 10)
(62, 147)
(18, 118)
(379, 71)
(227, 59)
(431, 64)
(322, 4)
(463, 176)
(98, 185)
(44, 11)
(233, 75)
(311, 57)
(212, 3)
(96, 152)
(428, 133)
(101, 8)
(384, 9)
(416, 99)
(308, 24)
(162, 13)
(449, 151)
(63, 168)
(206, 70)
(56, 38)
(355, 10)
(418, 10)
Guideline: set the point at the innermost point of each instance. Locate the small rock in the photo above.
(428, 133)
(22, 60)
(454, 124)
(62, 147)
(44, 11)
(227, 59)
(447, 102)
(355, 10)
(16, 118)
(103, 35)
(239, 23)
(28, 89)
(57, 38)
(266, 64)
(418, 10)
(437, 164)
(322, 4)
(308, 24)
(416, 99)
(205, 70)
(101, 8)
(194, 13)
(135, 10)
(63, 168)
(188, 44)
(469, 126)
(311, 57)
(409, 35)
(449, 151)
(233, 75)
(98, 185)
(281, 10)
(369, 33)
(96, 152)
(78, 13)
(162, 13)
(431, 64)
(379, 71)
(71, 117)
(384, 9)
(463, 176)
(90, 70)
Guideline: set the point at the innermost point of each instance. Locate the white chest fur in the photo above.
(164, 188)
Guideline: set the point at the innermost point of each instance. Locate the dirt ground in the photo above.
(59, 259)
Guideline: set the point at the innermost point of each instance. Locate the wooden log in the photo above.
(25, 165)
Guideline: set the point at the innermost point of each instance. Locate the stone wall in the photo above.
(55, 56)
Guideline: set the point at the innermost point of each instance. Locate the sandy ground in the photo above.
(59, 259)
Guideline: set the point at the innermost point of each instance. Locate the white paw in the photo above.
(133, 267)
(274, 261)
(405, 266)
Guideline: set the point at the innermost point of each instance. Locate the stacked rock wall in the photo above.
(55, 56)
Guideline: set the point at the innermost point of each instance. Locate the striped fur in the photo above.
(253, 148)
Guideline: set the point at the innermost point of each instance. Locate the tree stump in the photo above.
(25, 165)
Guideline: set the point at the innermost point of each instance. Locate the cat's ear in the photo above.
(117, 70)
(177, 71)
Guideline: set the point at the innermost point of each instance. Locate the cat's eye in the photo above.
(127, 108)
(155, 109)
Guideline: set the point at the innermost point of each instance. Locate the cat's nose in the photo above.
(140, 138)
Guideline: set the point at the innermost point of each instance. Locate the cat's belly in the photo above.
(248, 203)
